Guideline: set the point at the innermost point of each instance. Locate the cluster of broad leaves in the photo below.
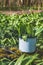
(8, 34)
(13, 26)
(23, 60)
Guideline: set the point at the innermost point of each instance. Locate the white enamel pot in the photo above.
(28, 46)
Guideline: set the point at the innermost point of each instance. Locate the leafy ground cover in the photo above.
(9, 55)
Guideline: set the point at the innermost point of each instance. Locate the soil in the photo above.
(20, 12)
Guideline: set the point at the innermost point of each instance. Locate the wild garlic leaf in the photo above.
(20, 59)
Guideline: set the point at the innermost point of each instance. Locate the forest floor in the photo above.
(20, 12)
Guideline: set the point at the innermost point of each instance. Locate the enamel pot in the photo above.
(28, 46)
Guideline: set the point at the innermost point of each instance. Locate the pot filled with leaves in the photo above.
(27, 31)
(27, 41)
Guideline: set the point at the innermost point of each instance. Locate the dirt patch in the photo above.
(20, 12)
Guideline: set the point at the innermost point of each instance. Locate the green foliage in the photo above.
(25, 25)
(8, 34)
(4, 61)
(32, 59)
(29, 25)
(14, 26)
(22, 60)
(19, 61)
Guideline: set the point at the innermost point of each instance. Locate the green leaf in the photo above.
(20, 59)
(32, 59)
(41, 47)
(12, 62)
(41, 63)
(39, 30)
(24, 37)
